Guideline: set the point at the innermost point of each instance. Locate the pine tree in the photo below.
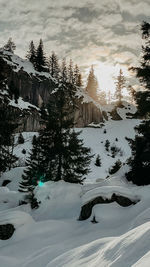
(98, 161)
(92, 84)
(140, 160)
(35, 170)
(107, 145)
(31, 54)
(132, 93)
(120, 84)
(77, 77)
(40, 58)
(64, 73)
(10, 46)
(115, 167)
(76, 159)
(79, 82)
(7, 127)
(20, 139)
(58, 153)
(102, 97)
(54, 68)
(70, 72)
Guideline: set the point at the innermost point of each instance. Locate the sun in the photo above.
(106, 75)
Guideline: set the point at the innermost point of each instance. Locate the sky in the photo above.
(105, 33)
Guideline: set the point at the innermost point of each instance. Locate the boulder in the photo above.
(6, 231)
(86, 210)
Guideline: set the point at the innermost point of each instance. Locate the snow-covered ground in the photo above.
(52, 235)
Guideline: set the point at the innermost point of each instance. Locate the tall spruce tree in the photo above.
(31, 54)
(35, 170)
(40, 58)
(60, 154)
(132, 93)
(54, 68)
(10, 46)
(92, 84)
(140, 160)
(120, 84)
(7, 128)
(70, 72)
(77, 77)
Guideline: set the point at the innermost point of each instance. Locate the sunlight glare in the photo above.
(106, 75)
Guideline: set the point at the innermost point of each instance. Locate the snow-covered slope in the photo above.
(95, 138)
(18, 63)
(52, 235)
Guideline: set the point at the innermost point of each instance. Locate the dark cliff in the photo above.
(34, 87)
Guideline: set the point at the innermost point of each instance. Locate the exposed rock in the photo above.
(35, 87)
(86, 210)
(6, 231)
(6, 182)
(87, 113)
(115, 116)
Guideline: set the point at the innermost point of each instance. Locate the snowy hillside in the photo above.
(18, 63)
(95, 138)
(52, 235)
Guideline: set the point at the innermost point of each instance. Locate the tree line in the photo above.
(51, 64)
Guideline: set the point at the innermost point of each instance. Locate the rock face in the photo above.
(87, 113)
(34, 87)
(86, 210)
(6, 231)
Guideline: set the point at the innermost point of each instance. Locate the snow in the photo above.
(21, 104)
(21, 64)
(52, 235)
(96, 138)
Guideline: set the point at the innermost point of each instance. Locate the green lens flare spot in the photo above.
(40, 183)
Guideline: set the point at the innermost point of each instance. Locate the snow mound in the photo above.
(17, 218)
(107, 191)
(9, 199)
(58, 200)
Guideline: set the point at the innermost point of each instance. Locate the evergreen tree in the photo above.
(98, 161)
(58, 153)
(7, 127)
(79, 80)
(31, 54)
(70, 72)
(120, 84)
(107, 145)
(77, 77)
(140, 160)
(132, 93)
(20, 139)
(64, 73)
(76, 73)
(54, 68)
(34, 172)
(92, 84)
(10, 46)
(115, 167)
(40, 58)
(102, 97)
(76, 159)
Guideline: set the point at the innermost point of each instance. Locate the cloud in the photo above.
(87, 30)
